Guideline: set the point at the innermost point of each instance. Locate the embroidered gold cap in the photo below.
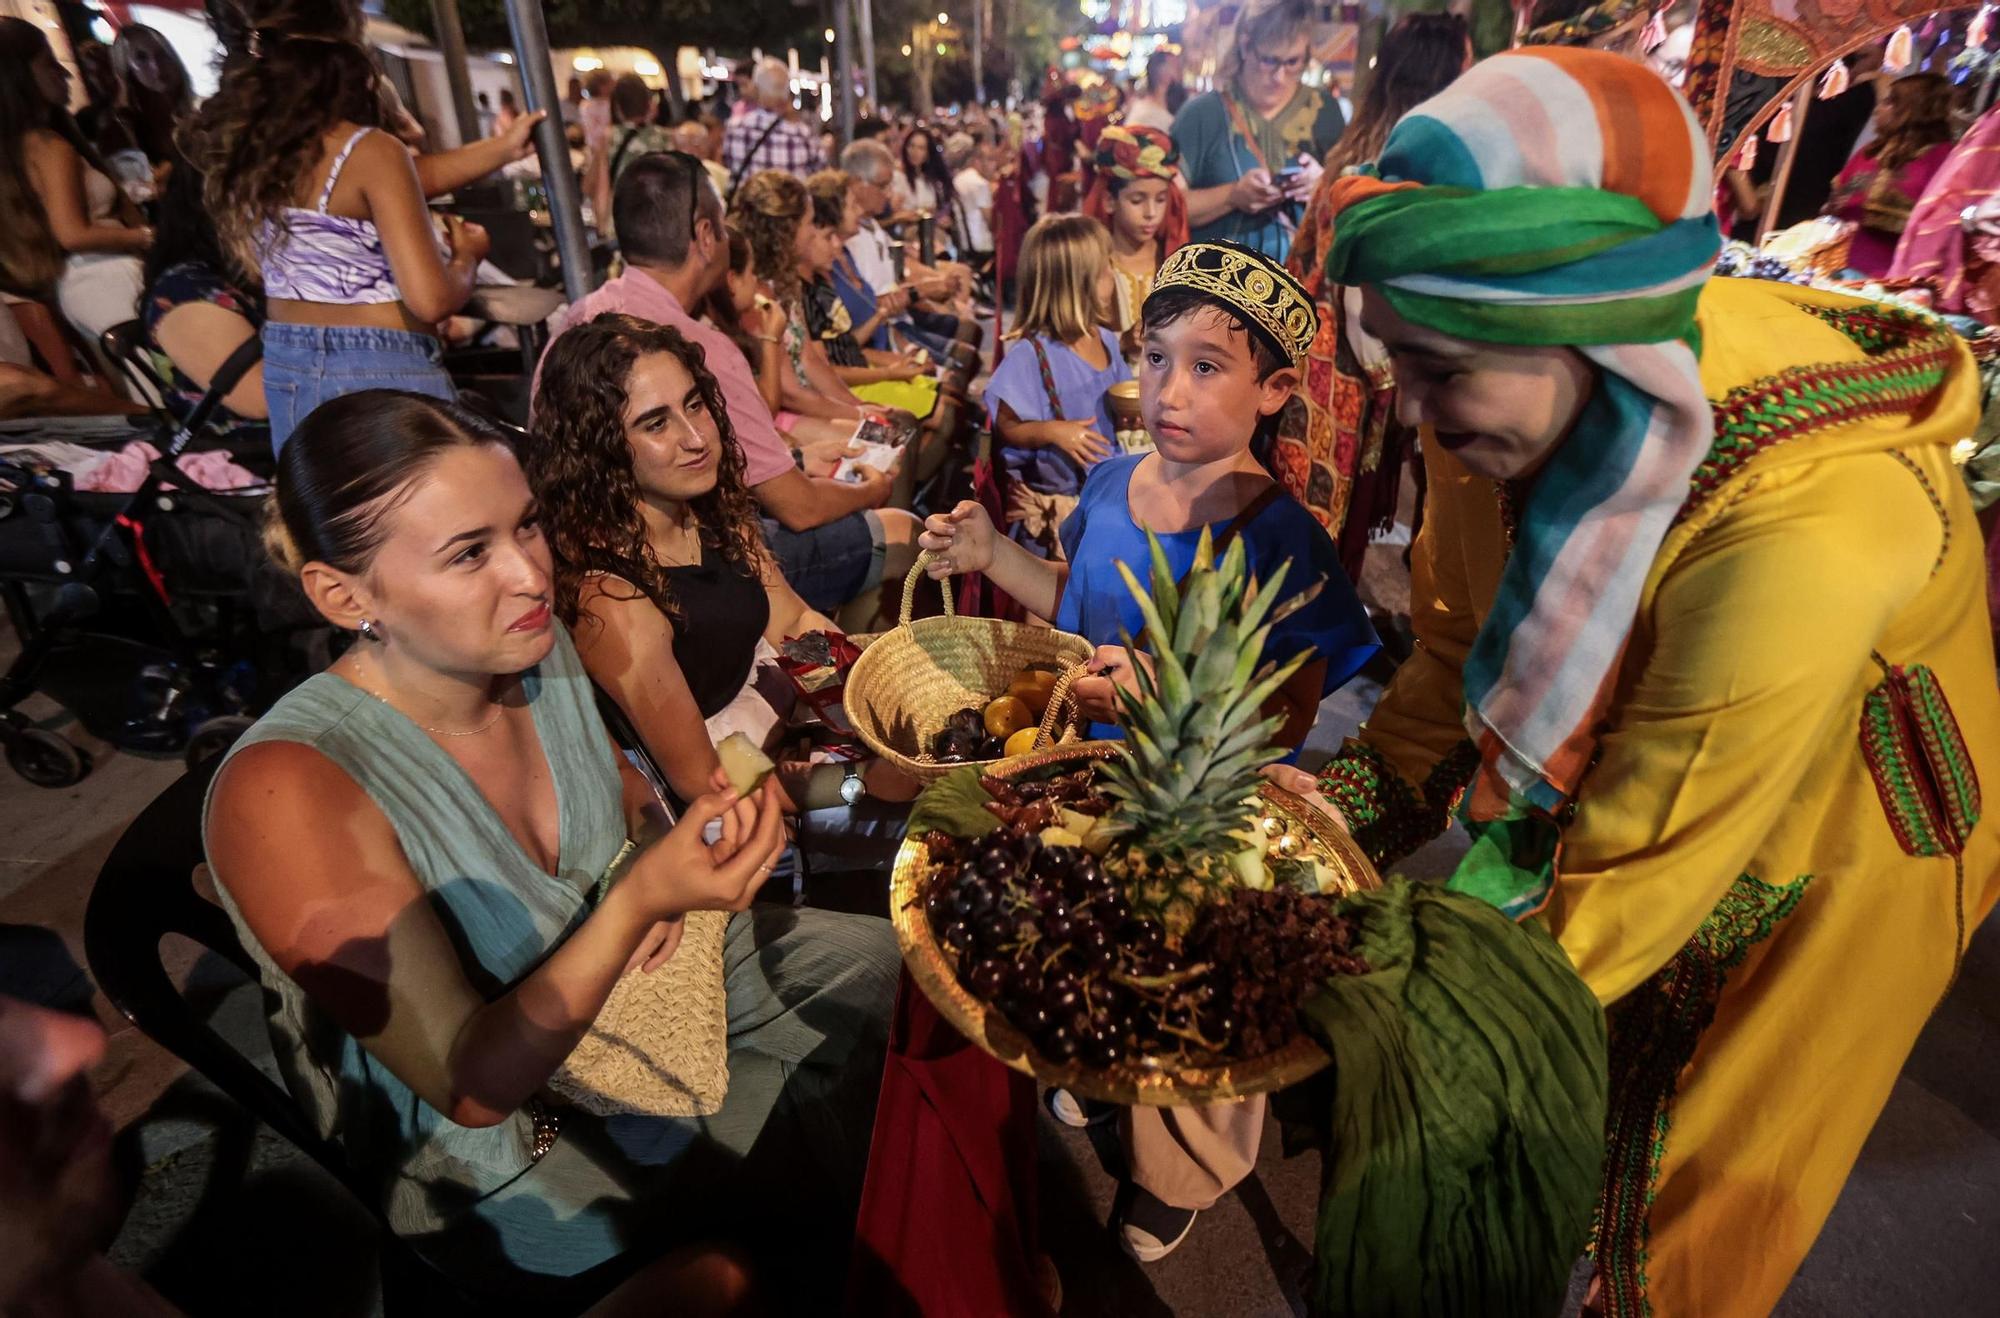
(1257, 289)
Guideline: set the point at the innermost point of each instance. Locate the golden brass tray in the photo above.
(1299, 830)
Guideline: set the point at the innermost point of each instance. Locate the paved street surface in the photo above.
(227, 1216)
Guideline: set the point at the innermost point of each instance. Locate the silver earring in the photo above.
(368, 631)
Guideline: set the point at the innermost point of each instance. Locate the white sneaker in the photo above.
(1150, 1230)
(1063, 1106)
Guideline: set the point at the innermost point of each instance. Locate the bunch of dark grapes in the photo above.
(1267, 951)
(1046, 936)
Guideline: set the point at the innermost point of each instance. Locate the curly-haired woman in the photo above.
(660, 568)
(305, 184)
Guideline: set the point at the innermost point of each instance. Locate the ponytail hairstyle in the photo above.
(350, 464)
(291, 69)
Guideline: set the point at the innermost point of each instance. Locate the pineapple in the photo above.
(1195, 735)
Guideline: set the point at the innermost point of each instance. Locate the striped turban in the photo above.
(1555, 197)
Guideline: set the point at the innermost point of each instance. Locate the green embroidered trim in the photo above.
(1909, 358)
(1922, 768)
(1388, 817)
(1654, 1033)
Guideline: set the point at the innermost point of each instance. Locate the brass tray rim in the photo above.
(1128, 1084)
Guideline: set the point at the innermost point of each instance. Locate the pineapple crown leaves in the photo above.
(1195, 737)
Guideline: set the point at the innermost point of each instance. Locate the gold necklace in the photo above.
(498, 710)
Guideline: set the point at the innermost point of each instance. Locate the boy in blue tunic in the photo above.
(1225, 330)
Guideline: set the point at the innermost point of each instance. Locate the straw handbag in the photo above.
(908, 684)
(660, 1045)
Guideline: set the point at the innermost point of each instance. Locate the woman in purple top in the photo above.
(304, 186)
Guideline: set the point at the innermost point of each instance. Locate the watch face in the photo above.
(851, 790)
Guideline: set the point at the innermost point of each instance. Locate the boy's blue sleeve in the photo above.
(1335, 626)
(1070, 533)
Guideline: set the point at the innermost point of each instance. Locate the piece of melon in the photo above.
(1094, 833)
(745, 765)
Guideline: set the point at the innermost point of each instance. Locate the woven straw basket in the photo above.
(905, 686)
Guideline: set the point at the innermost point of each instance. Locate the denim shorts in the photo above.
(832, 564)
(304, 365)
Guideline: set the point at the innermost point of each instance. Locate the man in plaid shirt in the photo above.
(769, 136)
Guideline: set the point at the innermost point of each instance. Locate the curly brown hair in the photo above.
(291, 70)
(769, 208)
(578, 461)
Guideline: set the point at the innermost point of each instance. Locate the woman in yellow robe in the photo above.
(1761, 844)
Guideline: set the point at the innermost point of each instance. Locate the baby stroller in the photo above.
(140, 613)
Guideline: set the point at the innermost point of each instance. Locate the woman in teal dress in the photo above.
(423, 848)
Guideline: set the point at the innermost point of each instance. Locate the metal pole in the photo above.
(538, 82)
(868, 56)
(843, 68)
(1781, 177)
(451, 45)
(979, 51)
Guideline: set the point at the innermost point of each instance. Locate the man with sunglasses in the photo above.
(1251, 149)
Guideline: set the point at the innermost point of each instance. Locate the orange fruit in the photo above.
(1007, 716)
(1021, 742)
(1033, 687)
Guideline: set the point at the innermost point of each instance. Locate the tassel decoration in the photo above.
(1900, 51)
(1835, 82)
(1781, 127)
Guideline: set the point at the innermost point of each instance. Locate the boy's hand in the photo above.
(960, 540)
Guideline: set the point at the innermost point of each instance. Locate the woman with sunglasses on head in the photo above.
(1250, 149)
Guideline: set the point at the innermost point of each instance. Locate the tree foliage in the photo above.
(661, 26)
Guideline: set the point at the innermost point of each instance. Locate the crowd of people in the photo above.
(1653, 594)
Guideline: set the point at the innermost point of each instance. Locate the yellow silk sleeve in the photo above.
(1396, 782)
(1737, 705)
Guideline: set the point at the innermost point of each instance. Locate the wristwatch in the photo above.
(852, 789)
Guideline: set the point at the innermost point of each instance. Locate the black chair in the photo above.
(144, 892)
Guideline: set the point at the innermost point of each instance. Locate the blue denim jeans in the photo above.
(304, 365)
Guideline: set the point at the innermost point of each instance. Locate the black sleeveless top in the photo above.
(724, 611)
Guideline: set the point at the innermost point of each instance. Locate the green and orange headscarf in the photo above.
(1555, 197)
